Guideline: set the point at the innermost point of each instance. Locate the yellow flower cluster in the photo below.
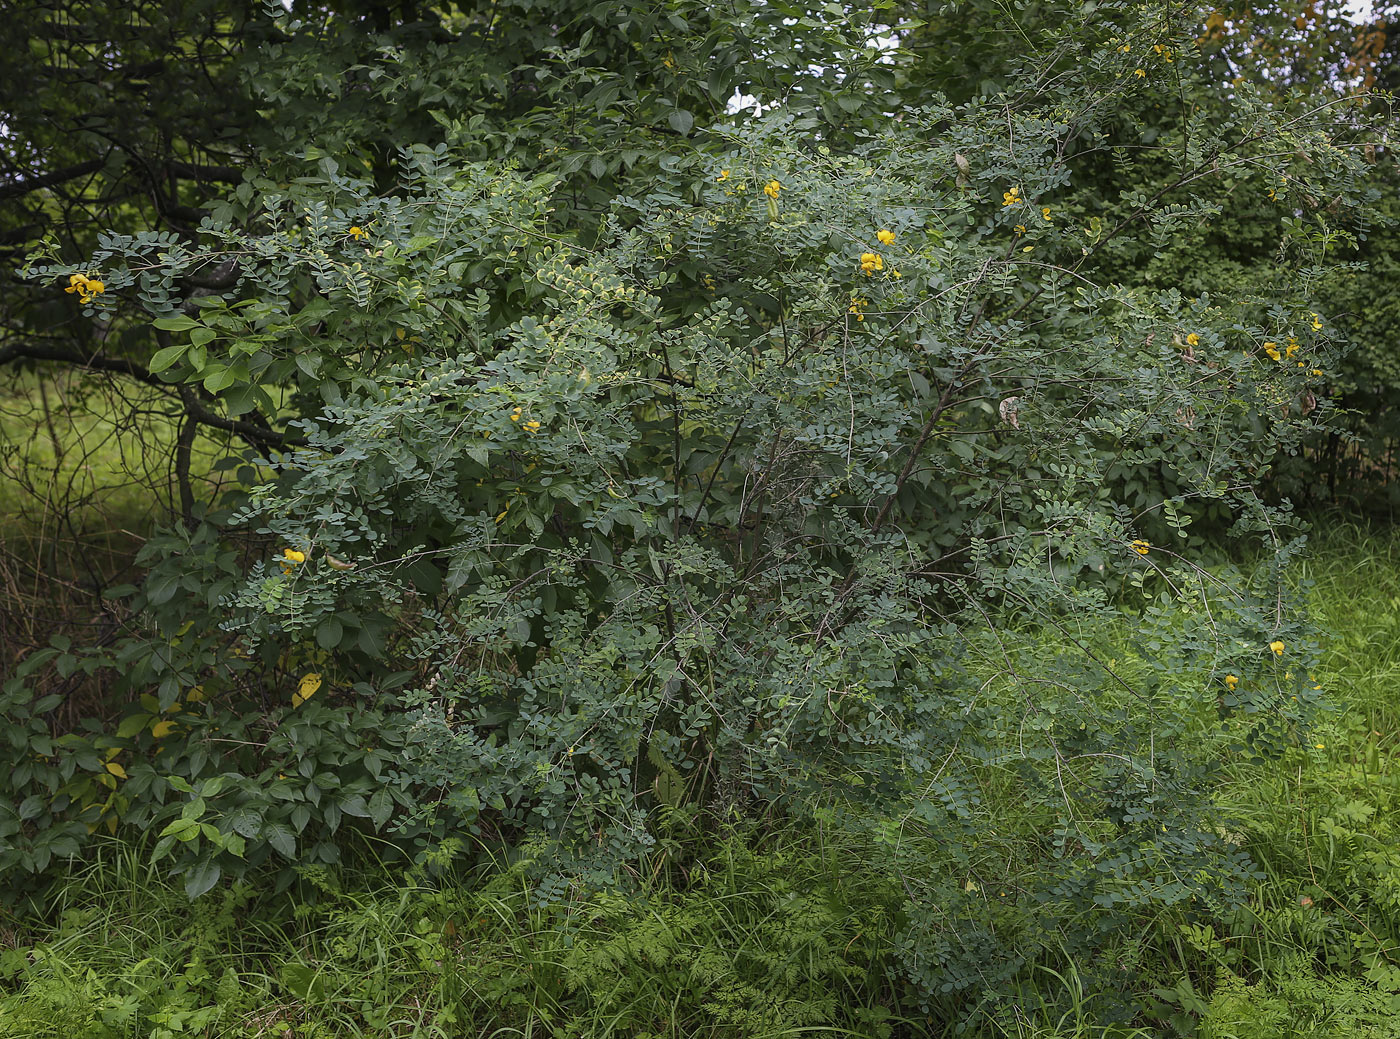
(772, 188)
(1232, 682)
(1277, 648)
(857, 308)
(291, 559)
(885, 237)
(530, 426)
(357, 233)
(88, 289)
(1141, 547)
(871, 262)
(1011, 198)
(1193, 340)
(723, 176)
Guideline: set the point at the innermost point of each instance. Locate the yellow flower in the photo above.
(1317, 371)
(1141, 547)
(1125, 48)
(1011, 198)
(1232, 682)
(1140, 73)
(1291, 348)
(1317, 323)
(86, 288)
(1020, 229)
(885, 237)
(1320, 746)
(356, 233)
(1045, 212)
(515, 415)
(1277, 647)
(1193, 340)
(723, 176)
(871, 262)
(1271, 193)
(896, 273)
(1272, 350)
(294, 555)
(772, 188)
(857, 308)
(532, 426)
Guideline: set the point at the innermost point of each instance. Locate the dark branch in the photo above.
(48, 180)
(256, 435)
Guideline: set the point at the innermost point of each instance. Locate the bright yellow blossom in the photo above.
(1193, 340)
(1272, 350)
(723, 176)
(1011, 198)
(1277, 647)
(87, 288)
(1140, 73)
(1141, 547)
(1045, 212)
(1232, 682)
(772, 188)
(871, 262)
(885, 237)
(356, 233)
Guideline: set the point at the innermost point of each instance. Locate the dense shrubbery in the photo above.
(746, 473)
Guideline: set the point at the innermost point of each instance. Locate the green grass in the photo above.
(86, 462)
(759, 934)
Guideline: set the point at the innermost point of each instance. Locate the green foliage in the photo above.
(793, 930)
(761, 940)
(817, 464)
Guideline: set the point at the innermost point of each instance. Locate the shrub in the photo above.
(803, 479)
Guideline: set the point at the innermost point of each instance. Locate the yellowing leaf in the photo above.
(307, 689)
(160, 730)
(195, 695)
(116, 770)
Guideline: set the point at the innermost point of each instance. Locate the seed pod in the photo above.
(1010, 412)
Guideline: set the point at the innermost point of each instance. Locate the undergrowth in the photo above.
(760, 932)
